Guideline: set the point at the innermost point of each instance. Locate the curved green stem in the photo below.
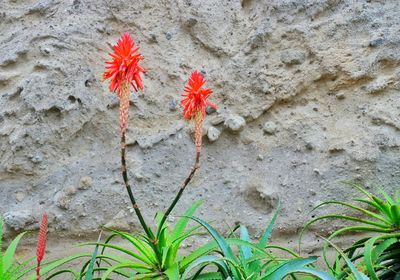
(179, 194)
(129, 189)
(135, 206)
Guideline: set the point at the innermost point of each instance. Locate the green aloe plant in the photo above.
(141, 260)
(378, 254)
(251, 261)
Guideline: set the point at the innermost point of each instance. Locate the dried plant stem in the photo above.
(198, 141)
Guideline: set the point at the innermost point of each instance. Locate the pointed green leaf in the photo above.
(173, 272)
(8, 257)
(89, 273)
(268, 230)
(244, 250)
(395, 211)
(183, 221)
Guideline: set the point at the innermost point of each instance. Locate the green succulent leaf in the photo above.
(223, 245)
(357, 274)
(8, 257)
(89, 273)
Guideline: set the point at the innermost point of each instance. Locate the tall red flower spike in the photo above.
(124, 71)
(41, 246)
(194, 104)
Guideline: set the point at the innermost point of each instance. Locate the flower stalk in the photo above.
(194, 102)
(124, 71)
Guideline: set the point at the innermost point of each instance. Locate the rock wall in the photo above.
(307, 95)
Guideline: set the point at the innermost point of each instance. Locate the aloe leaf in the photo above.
(183, 221)
(102, 269)
(201, 251)
(245, 251)
(352, 206)
(209, 276)
(191, 232)
(204, 261)
(280, 271)
(122, 250)
(226, 250)
(141, 246)
(395, 211)
(382, 206)
(371, 253)
(379, 249)
(387, 197)
(171, 256)
(16, 267)
(8, 257)
(359, 188)
(112, 260)
(350, 251)
(264, 238)
(1, 246)
(173, 272)
(255, 248)
(287, 250)
(350, 218)
(368, 259)
(50, 266)
(117, 267)
(358, 228)
(162, 239)
(357, 274)
(314, 272)
(89, 273)
(73, 273)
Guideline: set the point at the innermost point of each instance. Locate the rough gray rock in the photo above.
(20, 220)
(270, 127)
(293, 57)
(119, 222)
(85, 183)
(290, 61)
(235, 123)
(213, 133)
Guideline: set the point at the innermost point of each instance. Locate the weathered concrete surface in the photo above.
(308, 95)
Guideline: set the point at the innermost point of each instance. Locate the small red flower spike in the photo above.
(124, 71)
(41, 246)
(195, 97)
(194, 104)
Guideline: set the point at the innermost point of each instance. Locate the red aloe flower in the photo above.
(124, 65)
(124, 71)
(195, 97)
(41, 246)
(194, 105)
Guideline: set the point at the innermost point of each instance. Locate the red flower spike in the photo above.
(195, 97)
(124, 66)
(41, 246)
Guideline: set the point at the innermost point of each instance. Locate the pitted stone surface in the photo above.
(327, 72)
